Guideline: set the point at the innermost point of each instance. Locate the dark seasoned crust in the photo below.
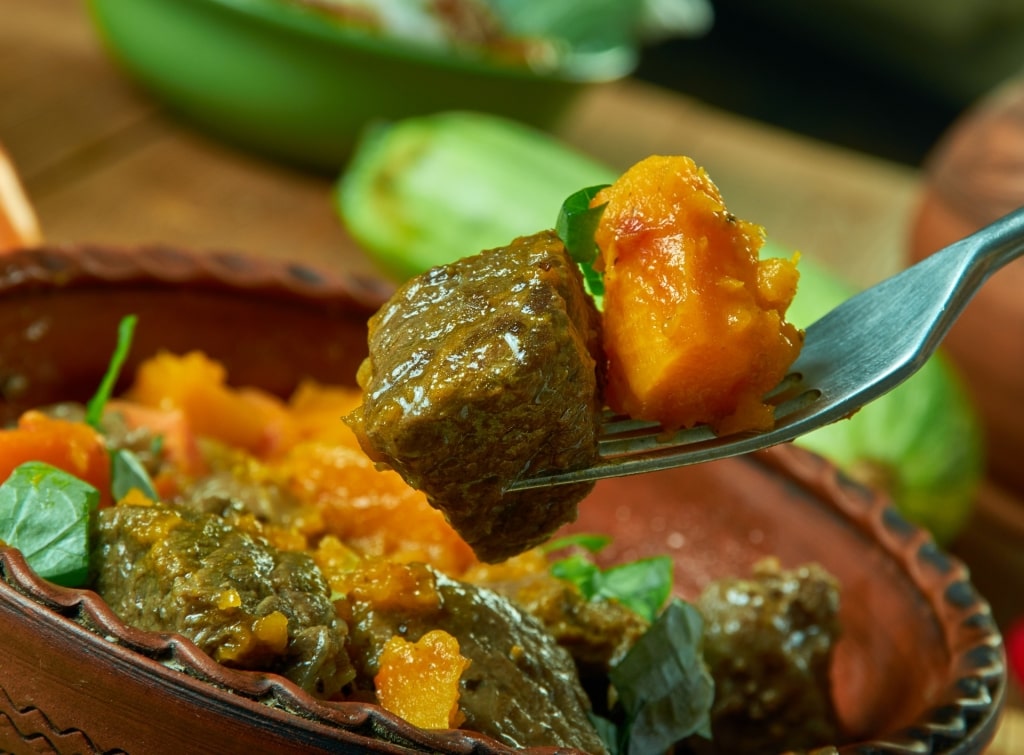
(768, 642)
(521, 687)
(479, 372)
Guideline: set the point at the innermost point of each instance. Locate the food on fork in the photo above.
(482, 371)
(694, 322)
(491, 368)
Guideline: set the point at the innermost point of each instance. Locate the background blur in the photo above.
(882, 76)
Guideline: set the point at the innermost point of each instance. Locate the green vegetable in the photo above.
(642, 585)
(921, 443)
(663, 688)
(45, 513)
(576, 224)
(663, 684)
(94, 409)
(428, 191)
(126, 471)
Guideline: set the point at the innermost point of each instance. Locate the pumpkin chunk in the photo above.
(694, 321)
(419, 681)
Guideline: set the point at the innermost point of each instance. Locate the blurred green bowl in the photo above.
(273, 76)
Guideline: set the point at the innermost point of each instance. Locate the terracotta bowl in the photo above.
(919, 669)
(974, 175)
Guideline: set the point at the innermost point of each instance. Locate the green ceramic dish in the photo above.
(276, 77)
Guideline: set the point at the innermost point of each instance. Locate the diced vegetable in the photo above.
(420, 680)
(73, 447)
(694, 321)
(197, 386)
(45, 513)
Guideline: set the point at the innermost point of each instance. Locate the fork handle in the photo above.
(994, 246)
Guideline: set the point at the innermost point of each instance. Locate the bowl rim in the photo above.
(573, 64)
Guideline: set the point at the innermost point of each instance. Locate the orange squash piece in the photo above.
(71, 446)
(197, 386)
(694, 321)
(419, 681)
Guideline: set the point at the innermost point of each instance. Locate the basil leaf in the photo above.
(642, 586)
(576, 224)
(45, 513)
(126, 473)
(663, 684)
(609, 732)
(94, 409)
(581, 572)
(587, 541)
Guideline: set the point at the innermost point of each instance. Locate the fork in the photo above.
(858, 351)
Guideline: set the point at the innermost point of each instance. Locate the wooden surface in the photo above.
(102, 162)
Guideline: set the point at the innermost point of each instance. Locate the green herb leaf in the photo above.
(643, 585)
(588, 541)
(126, 473)
(663, 684)
(581, 572)
(94, 409)
(609, 732)
(576, 224)
(45, 513)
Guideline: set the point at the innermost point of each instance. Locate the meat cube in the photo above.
(480, 372)
(768, 642)
(239, 599)
(521, 687)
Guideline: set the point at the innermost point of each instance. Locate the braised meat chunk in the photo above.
(768, 643)
(478, 372)
(242, 601)
(520, 686)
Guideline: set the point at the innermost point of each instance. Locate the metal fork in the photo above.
(860, 350)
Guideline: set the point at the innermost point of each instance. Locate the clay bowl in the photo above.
(974, 175)
(920, 667)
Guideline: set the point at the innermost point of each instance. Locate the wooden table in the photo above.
(102, 162)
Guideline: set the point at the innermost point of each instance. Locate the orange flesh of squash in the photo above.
(71, 446)
(694, 321)
(419, 681)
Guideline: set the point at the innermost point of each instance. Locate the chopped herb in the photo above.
(663, 684)
(45, 513)
(127, 473)
(576, 224)
(94, 409)
(643, 585)
(589, 542)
